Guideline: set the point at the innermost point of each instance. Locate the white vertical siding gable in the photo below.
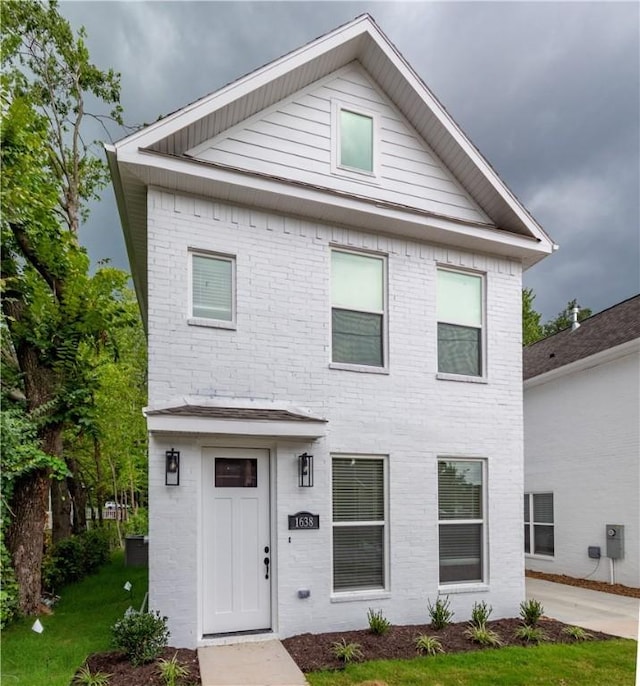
(295, 139)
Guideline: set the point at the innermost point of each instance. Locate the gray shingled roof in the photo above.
(607, 329)
(234, 413)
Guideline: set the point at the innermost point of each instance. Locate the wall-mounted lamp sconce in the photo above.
(172, 469)
(305, 470)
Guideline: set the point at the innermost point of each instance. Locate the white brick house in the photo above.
(582, 448)
(327, 268)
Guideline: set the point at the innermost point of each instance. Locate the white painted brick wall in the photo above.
(280, 351)
(583, 444)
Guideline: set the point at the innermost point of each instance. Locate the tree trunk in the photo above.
(78, 495)
(60, 510)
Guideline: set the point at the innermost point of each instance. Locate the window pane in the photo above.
(358, 557)
(356, 338)
(236, 472)
(543, 540)
(357, 281)
(526, 507)
(459, 298)
(356, 140)
(459, 350)
(543, 508)
(527, 538)
(460, 490)
(460, 552)
(212, 289)
(358, 490)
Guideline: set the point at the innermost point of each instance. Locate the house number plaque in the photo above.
(304, 520)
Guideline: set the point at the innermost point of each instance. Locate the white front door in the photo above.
(236, 546)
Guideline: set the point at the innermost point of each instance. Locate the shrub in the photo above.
(531, 634)
(84, 677)
(138, 523)
(480, 614)
(440, 613)
(172, 671)
(95, 549)
(140, 635)
(9, 608)
(347, 652)
(577, 633)
(378, 624)
(483, 636)
(429, 645)
(531, 611)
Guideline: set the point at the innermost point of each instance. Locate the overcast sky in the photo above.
(549, 92)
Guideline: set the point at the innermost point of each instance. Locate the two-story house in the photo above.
(330, 276)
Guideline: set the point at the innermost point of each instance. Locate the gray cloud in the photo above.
(549, 92)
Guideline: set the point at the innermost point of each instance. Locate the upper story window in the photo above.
(356, 141)
(212, 290)
(357, 308)
(460, 318)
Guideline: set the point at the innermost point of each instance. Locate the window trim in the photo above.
(337, 168)
(354, 366)
(206, 321)
(453, 376)
(531, 524)
(475, 584)
(365, 593)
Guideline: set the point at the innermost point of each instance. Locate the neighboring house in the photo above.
(330, 275)
(582, 448)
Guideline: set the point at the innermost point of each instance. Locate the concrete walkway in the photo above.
(260, 663)
(614, 614)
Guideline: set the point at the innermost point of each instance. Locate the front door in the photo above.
(236, 546)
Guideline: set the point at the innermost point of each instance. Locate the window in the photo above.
(459, 323)
(357, 314)
(212, 280)
(356, 141)
(461, 520)
(538, 524)
(358, 524)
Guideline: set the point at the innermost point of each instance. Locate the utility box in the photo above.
(615, 541)
(136, 551)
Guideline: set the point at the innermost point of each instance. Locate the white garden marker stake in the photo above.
(127, 586)
(37, 627)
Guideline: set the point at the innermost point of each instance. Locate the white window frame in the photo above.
(368, 593)
(352, 366)
(472, 585)
(531, 524)
(451, 376)
(206, 321)
(339, 169)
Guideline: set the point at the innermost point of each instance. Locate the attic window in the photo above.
(356, 141)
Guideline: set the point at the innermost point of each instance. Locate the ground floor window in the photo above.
(538, 524)
(461, 520)
(359, 523)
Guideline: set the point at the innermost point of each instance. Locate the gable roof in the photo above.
(156, 155)
(602, 331)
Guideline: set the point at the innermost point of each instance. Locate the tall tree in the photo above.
(531, 327)
(54, 312)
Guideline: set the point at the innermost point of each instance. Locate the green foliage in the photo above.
(482, 635)
(480, 614)
(577, 633)
(8, 589)
(530, 634)
(347, 652)
(378, 623)
(74, 558)
(141, 636)
(172, 671)
(562, 320)
(531, 327)
(428, 645)
(138, 523)
(85, 677)
(531, 611)
(440, 613)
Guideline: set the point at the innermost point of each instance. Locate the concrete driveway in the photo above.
(613, 614)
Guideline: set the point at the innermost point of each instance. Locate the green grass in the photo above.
(79, 626)
(597, 663)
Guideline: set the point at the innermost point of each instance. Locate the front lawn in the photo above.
(596, 663)
(80, 625)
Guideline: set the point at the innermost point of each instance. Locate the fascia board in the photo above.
(602, 357)
(189, 114)
(486, 239)
(235, 427)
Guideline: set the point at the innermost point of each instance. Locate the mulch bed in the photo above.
(313, 652)
(617, 589)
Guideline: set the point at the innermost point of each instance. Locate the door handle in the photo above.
(266, 564)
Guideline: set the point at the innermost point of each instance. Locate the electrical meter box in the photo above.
(615, 541)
